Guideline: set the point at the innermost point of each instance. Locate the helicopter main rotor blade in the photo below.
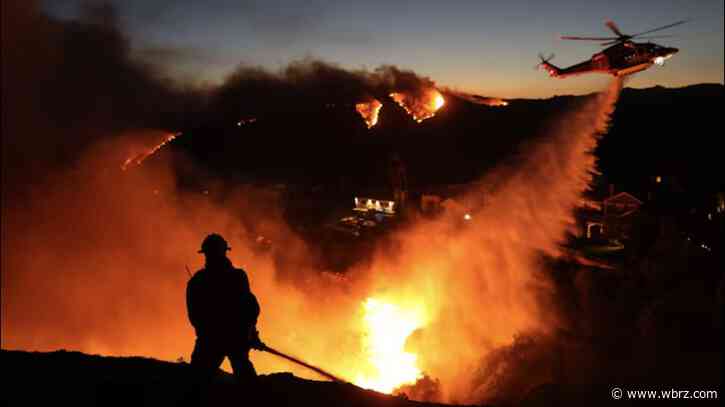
(569, 37)
(614, 28)
(660, 28)
(649, 37)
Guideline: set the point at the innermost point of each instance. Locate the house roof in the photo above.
(623, 197)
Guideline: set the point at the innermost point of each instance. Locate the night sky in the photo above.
(485, 47)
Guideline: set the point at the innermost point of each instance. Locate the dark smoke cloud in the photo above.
(255, 90)
(68, 89)
(69, 84)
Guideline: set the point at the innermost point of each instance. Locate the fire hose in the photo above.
(265, 348)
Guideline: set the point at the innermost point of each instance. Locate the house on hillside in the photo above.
(611, 218)
(374, 205)
(618, 215)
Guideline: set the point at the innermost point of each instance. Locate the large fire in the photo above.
(421, 106)
(123, 253)
(474, 286)
(388, 326)
(369, 111)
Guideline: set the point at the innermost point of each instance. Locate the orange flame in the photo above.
(480, 100)
(421, 107)
(369, 111)
(495, 102)
(137, 159)
(387, 327)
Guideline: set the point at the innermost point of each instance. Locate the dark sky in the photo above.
(486, 47)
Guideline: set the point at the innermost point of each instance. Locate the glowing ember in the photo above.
(369, 111)
(496, 102)
(422, 106)
(480, 100)
(388, 327)
(139, 158)
(246, 121)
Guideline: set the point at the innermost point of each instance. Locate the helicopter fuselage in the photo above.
(621, 59)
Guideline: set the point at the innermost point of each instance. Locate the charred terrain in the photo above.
(112, 173)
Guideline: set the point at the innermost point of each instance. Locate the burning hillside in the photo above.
(308, 83)
(442, 311)
(382, 320)
(369, 111)
(420, 105)
(478, 99)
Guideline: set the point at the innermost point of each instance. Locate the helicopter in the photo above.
(623, 57)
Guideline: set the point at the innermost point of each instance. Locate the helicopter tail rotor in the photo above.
(545, 65)
(545, 59)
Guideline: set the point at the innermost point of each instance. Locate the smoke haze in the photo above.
(94, 257)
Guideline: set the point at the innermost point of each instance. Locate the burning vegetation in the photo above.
(369, 111)
(495, 102)
(478, 99)
(312, 82)
(420, 105)
(387, 328)
(137, 159)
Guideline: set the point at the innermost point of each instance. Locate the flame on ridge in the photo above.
(137, 159)
(369, 111)
(422, 105)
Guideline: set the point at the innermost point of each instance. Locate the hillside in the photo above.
(654, 130)
(74, 378)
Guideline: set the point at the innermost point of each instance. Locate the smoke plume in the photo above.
(254, 91)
